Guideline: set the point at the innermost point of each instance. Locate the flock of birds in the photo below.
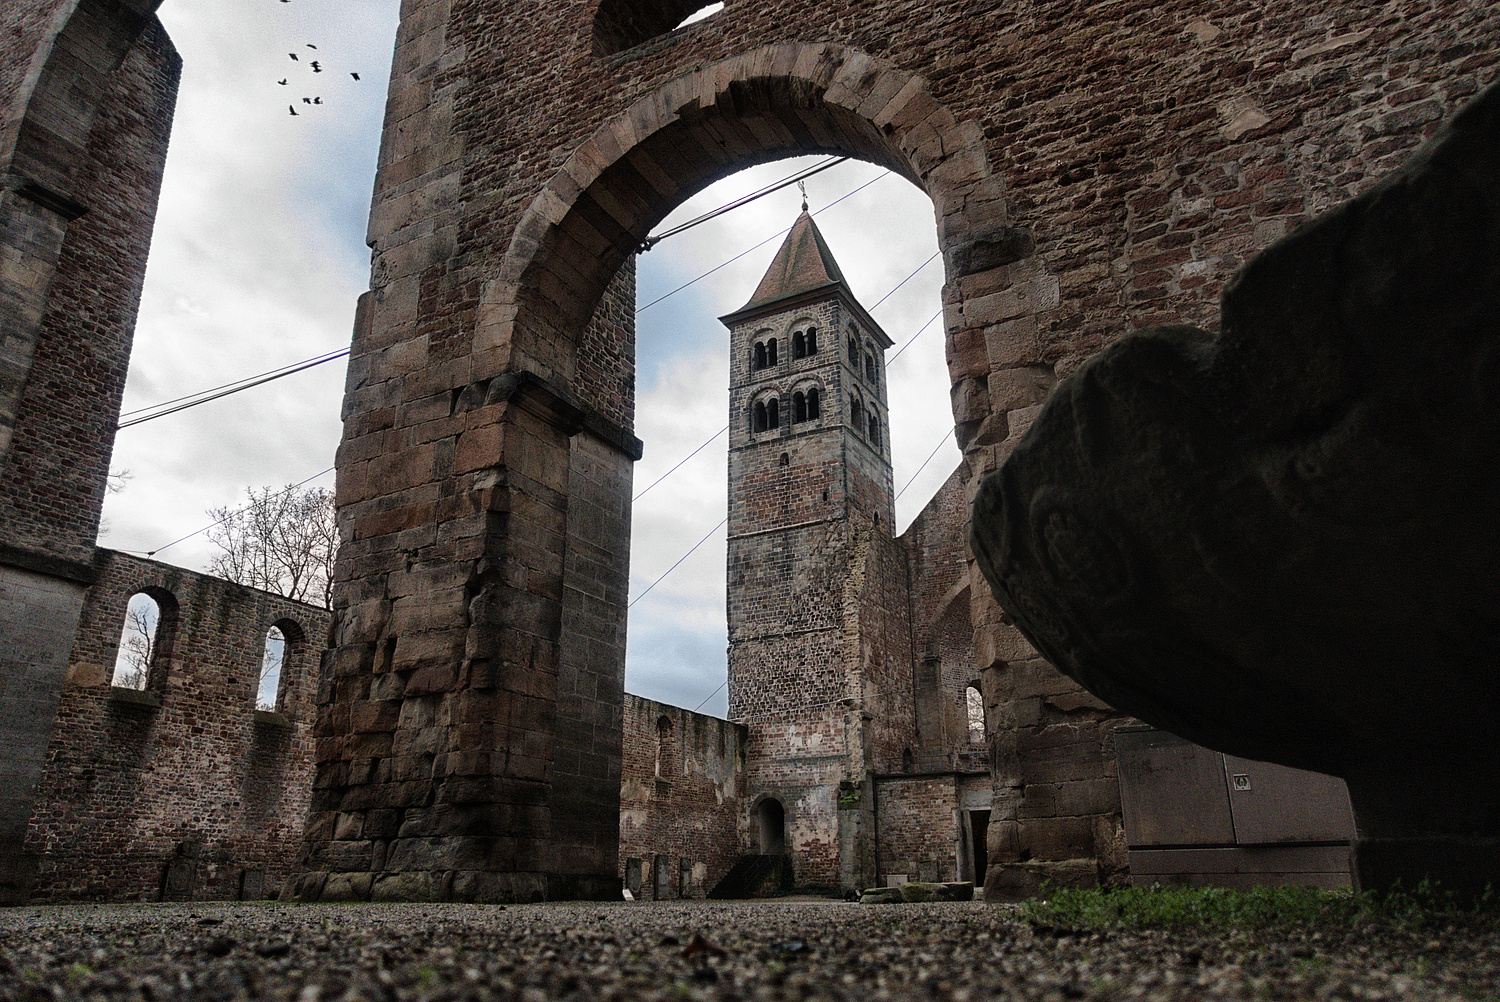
(316, 67)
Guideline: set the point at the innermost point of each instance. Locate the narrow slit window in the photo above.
(272, 661)
(974, 706)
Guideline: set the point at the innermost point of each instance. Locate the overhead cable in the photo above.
(204, 396)
(785, 182)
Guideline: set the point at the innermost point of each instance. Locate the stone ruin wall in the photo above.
(72, 287)
(1093, 169)
(685, 802)
(186, 776)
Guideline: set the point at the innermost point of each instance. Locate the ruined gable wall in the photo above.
(692, 807)
(128, 784)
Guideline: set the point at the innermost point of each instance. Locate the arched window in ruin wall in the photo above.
(280, 665)
(145, 646)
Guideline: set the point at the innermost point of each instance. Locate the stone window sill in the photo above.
(273, 718)
(134, 697)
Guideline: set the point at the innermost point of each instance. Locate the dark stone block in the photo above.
(1280, 542)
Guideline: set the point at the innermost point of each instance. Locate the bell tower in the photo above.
(809, 485)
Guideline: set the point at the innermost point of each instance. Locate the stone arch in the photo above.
(804, 98)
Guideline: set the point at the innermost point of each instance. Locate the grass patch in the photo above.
(1257, 908)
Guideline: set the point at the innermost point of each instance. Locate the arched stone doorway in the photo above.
(769, 817)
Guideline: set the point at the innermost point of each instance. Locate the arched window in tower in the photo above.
(856, 413)
(799, 407)
(974, 707)
(870, 367)
(874, 430)
(853, 352)
(812, 404)
(773, 413)
(771, 352)
(799, 344)
(812, 340)
(759, 361)
(758, 416)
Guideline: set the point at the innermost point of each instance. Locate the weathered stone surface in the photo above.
(1280, 542)
(881, 896)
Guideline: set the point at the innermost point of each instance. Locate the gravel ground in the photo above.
(802, 950)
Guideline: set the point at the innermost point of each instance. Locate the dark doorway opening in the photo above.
(770, 823)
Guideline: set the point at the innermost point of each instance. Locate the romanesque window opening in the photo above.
(144, 638)
(800, 405)
(771, 352)
(758, 418)
(812, 340)
(870, 368)
(137, 642)
(853, 352)
(785, 460)
(759, 360)
(624, 24)
(874, 430)
(272, 660)
(974, 707)
(799, 344)
(856, 413)
(812, 404)
(773, 413)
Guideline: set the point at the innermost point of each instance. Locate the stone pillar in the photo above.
(469, 729)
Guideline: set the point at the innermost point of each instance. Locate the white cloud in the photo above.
(259, 255)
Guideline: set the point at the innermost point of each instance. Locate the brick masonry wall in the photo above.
(918, 837)
(682, 798)
(186, 776)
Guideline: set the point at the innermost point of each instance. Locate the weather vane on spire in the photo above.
(802, 187)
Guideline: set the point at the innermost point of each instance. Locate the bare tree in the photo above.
(280, 541)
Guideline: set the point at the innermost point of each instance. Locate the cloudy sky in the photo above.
(259, 255)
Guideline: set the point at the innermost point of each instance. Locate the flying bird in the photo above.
(307, 100)
(317, 100)
(354, 75)
(293, 55)
(292, 109)
(282, 82)
(311, 45)
(316, 67)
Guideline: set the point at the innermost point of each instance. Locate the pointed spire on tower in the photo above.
(803, 264)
